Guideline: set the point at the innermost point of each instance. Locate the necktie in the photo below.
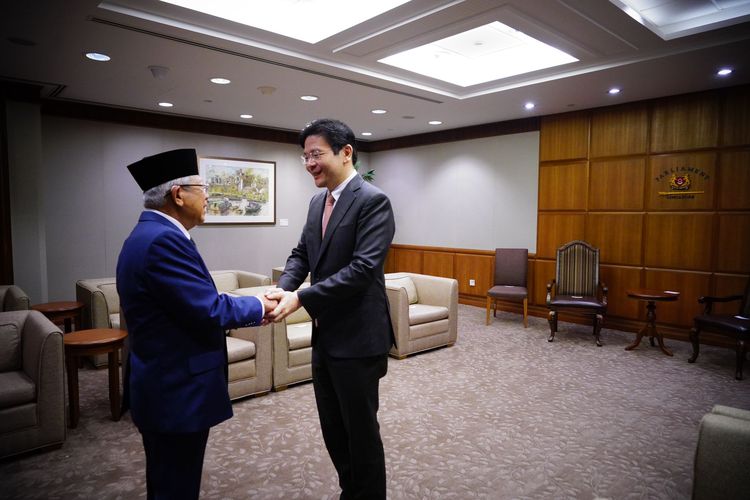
(327, 212)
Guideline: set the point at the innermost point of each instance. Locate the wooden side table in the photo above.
(64, 312)
(87, 343)
(651, 297)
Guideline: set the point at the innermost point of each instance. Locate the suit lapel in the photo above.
(339, 211)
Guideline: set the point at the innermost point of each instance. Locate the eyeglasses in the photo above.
(204, 187)
(314, 156)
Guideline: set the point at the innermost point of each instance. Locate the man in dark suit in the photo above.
(344, 244)
(176, 387)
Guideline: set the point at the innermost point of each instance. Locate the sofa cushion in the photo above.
(10, 345)
(111, 296)
(299, 335)
(225, 282)
(18, 389)
(239, 349)
(407, 284)
(422, 313)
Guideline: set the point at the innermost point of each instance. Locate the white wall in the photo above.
(73, 202)
(477, 194)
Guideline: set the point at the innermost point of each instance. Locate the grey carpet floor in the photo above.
(502, 414)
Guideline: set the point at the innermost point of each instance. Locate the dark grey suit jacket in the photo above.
(346, 299)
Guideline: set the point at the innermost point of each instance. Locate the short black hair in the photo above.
(336, 133)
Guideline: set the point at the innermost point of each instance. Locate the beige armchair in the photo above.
(424, 312)
(32, 390)
(101, 308)
(12, 298)
(292, 350)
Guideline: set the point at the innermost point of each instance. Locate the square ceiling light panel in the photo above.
(480, 55)
(307, 20)
(677, 18)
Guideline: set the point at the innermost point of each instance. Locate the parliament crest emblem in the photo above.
(679, 182)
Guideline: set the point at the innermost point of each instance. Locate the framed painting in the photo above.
(239, 191)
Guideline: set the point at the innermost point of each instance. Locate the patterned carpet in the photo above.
(502, 414)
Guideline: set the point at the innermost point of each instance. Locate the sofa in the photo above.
(722, 456)
(32, 376)
(249, 349)
(424, 312)
(12, 298)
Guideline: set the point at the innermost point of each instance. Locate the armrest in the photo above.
(14, 299)
(247, 279)
(95, 309)
(604, 290)
(398, 303)
(435, 290)
(42, 348)
(550, 286)
(709, 300)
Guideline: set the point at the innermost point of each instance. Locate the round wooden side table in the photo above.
(63, 312)
(651, 297)
(88, 343)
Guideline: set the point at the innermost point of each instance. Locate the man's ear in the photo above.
(175, 193)
(348, 150)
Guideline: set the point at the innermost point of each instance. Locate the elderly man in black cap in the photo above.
(176, 376)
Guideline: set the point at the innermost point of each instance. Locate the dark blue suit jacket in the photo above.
(347, 296)
(176, 324)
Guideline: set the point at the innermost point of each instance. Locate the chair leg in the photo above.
(552, 320)
(526, 312)
(598, 320)
(489, 304)
(741, 348)
(695, 340)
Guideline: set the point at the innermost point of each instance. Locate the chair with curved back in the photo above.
(736, 326)
(576, 288)
(510, 280)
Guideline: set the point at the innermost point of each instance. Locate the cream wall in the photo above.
(74, 202)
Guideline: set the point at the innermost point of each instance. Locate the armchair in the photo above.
(292, 350)
(735, 326)
(510, 280)
(576, 288)
(101, 308)
(12, 298)
(32, 375)
(424, 312)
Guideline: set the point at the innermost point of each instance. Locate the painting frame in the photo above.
(239, 191)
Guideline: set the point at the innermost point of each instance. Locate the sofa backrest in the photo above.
(11, 324)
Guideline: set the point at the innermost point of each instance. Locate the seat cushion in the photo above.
(10, 345)
(299, 335)
(733, 324)
(18, 389)
(407, 284)
(576, 301)
(422, 313)
(508, 292)
(239, 349)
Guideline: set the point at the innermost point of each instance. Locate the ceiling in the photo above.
(44, 42)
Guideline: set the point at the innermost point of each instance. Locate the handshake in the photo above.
(278, 304)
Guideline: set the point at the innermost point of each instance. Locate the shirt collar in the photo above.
(173, 221)
(337, 192)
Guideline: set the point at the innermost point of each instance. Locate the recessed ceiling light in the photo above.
(378, 111)
(166, 104)
(435, 122)
(724, 72)
(96, 56)
(367, 133)
(309, 97)
(246, 116)
(529, 105)
(614, 90)
(221, 81)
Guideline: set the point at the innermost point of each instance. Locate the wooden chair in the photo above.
(576, 288)
(736, 326)
(510, 280)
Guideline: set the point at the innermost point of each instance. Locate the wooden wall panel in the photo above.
(408, 261)
(683, 310)
(617, 184)
(437, 264)
(733, 191)
(474, 267)
(724, 286)
(563, 187)
(618, 279)
(736, 117)
(617, 236)
(700, 169)
(685, 122)
(390, 262)
(733, 247)
(678, 241)
(544, 272)
(554, 230)
(619, 131)
(564, 137)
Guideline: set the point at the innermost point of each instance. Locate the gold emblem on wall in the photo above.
(679, 185)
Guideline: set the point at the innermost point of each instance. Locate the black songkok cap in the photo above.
(158, 169)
